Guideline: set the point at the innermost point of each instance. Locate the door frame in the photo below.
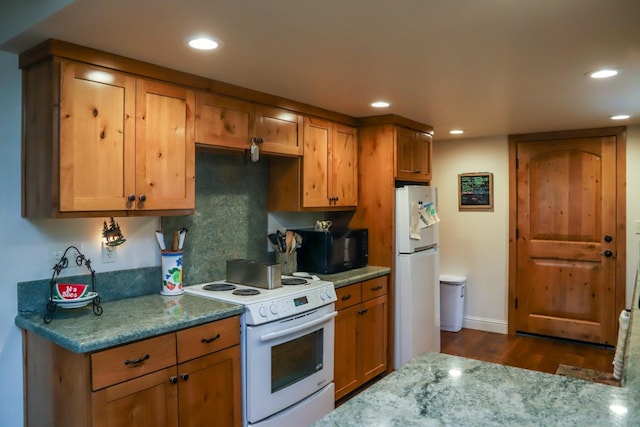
(620, 133)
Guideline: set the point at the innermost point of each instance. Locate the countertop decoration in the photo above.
(92, 297)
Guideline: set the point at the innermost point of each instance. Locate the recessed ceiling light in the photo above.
(203, 43)
(620, 117)
(456, 131)
(604, 73)
(380, 104)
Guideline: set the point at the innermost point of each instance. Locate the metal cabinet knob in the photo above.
(608, 254)
(132, 197)
(184, 376)
(142, 198)
(173, 379)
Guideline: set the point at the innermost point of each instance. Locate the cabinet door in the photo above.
(422, 156)
(315, 168)
(413, 155)
(97, 149)
(279, 130)
(345, 371)
(165, 146)
(372, 336)
(222, 121)
(209, 390)
(150, 400)
(343, 177)
(405, 140)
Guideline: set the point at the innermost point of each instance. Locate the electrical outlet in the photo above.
(56, 252)
(109, 254)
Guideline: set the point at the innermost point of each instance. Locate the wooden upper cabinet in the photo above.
(98, 141)
(330, 164)
(222, 121)
(227, 122)
(279, 130)
(413, 155)
(165, 149)
(97, 138)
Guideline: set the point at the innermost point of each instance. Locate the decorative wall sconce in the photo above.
(112, 233)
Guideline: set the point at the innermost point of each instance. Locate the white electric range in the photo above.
(287, 346)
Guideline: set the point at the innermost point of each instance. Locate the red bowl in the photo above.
(70, 291)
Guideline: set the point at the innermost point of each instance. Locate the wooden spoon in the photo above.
(289, 240)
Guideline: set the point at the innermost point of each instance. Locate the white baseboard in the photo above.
(484, 324)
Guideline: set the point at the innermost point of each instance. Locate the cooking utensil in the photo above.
(275, 243)
(281, 241)
(160, 239)
(288, 236)
(182, 233)
(174, 243)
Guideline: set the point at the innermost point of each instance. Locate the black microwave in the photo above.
(332, 251)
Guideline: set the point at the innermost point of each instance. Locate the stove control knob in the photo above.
(263, 311)
(323, 294)
(273, 309)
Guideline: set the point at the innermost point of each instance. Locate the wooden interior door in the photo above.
(569, 238)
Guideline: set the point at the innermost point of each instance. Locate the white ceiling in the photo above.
(491, 67)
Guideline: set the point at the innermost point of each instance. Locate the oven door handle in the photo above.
(285, 332)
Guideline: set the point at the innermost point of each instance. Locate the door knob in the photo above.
(608, 254)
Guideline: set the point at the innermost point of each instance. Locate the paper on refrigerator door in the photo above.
(422, 216)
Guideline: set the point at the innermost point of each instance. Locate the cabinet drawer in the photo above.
(348, 296)
(122, 363)
(204, 339)
(374, 288)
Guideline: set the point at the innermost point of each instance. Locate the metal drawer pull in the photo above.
(137, 361)
(363, 310)
(377, 288)
(346, 297)
(208, 340)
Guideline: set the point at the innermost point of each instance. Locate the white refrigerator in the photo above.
(417, 287)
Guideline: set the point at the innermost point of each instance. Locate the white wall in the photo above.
(25, 245)
(475, 244)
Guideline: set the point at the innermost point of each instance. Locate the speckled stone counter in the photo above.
(354, 276)
(442, 390)
(125, 320)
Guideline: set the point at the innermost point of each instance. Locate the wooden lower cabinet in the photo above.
(153, 382)
(360, 334)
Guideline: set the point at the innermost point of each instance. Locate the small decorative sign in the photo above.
(475, 191)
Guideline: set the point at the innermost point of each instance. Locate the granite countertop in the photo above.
(126, 320)
(138, 317)
(354, 276)
(441, 390)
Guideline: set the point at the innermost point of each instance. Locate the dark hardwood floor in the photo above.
(535, 353)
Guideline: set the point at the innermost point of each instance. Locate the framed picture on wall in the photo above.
(475, 191)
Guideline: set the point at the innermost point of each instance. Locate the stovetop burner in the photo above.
(246, 292)
(293, 281)
(219, 287)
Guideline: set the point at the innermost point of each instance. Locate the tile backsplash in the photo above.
(230, 220)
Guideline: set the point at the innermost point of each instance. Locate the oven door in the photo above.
(287, 361)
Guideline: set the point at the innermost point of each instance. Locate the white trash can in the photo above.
(451, 302)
